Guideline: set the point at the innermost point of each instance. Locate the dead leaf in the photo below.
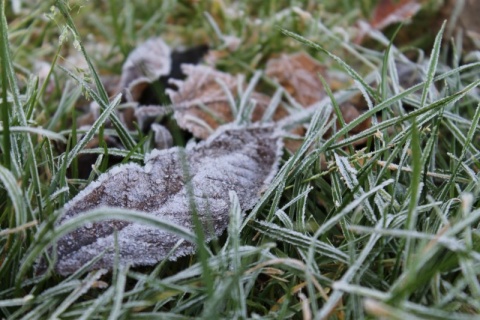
(202, 101)
(146, 115)
(298, 74)
(241, 159)
(162, 137)
(388, 12)
(146, 74)
(144, 65)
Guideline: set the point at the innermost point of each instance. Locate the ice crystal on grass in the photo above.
(235, 158)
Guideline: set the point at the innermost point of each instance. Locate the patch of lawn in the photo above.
(377, 223)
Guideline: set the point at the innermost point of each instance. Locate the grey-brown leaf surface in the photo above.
(242, 159)
(144, 65)
(202, 104)
(202, 89)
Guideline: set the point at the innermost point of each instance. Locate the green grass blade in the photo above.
(16, 195)
(415, 188)
(432, 67)
(91, 132)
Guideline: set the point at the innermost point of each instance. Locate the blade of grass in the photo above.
(469, 139)
(91, 132)
(432, 66)
(102, 98)
(414, 192)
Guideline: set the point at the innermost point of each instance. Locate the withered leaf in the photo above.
(202, 102)
(162, 136)
(145, 115)
(242, 159)
(385, 13)
(298, 74)
(388, 12)
(144, 65)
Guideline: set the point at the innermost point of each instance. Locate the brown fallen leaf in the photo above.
(144, 65)
(388, 12)
(298, 74)
(201, 104)
(206, 99)
(236, 158)
(203, 101)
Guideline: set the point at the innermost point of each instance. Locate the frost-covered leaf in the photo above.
(298, 74)
(144, 65)
(235, 158)
(388, 12)
(145, 115)
(162, 136)
(205, 100)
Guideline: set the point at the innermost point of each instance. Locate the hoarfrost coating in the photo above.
(236, 158)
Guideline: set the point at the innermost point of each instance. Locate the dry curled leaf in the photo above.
(298, 74)
(242, 159)
(155, 94)
(145, 115)
(162, 136)
(144, 65)
(202, 103)
(388, 12)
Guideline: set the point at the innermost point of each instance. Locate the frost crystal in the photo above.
(242, 159)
